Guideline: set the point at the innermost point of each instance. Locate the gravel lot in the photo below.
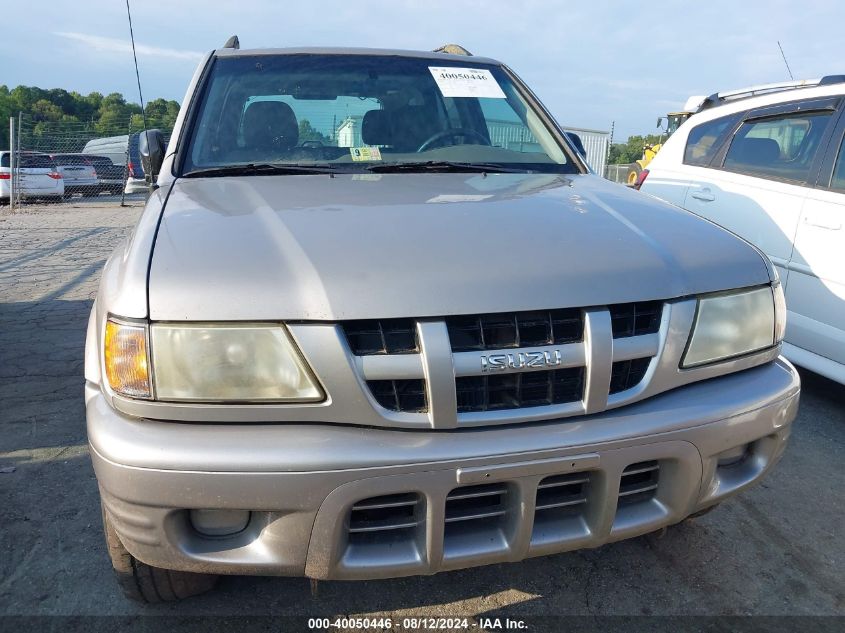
(778, 549)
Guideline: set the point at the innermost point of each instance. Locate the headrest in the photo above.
(755, 151)
(376, 128)
(270, 125)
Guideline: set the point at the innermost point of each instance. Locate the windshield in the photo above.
(356, 112)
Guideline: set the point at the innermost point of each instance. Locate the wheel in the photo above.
(633, 174)
(144, 583)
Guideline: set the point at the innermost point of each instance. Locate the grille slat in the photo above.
(555, 484)
(455, 496)
(636, 491)
(561, 504)
(472, 516)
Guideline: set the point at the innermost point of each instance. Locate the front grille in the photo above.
(386, 517)
(626, 374)
(400, 395)
(635, 319)
(515, 329)
(518, 390)
(386, 336)
(638, 483)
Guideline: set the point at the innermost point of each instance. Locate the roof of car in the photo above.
(389, 52)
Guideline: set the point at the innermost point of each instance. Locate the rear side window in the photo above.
(702, 141)
(4, 160)
(781, 147)
(838, 180)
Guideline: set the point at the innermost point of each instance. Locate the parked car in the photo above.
(418, 352)
(122, 150)
(768, 163)
(110, 177)
(38, 177)
(78, 173)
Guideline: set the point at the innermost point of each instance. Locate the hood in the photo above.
(315, 247)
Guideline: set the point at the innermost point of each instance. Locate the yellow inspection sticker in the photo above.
(365, 153)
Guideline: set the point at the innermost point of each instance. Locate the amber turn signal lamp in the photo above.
(127, 360)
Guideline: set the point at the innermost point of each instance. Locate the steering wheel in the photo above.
(453, 133)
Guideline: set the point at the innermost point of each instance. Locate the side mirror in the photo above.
(577, 142)
(151, 147)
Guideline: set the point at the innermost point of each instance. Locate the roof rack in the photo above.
(453, 49)
(718, 98)
(233, 42)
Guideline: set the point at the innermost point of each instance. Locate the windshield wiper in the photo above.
(446, 166)
(259, 169)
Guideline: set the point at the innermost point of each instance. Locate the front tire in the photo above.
(633, 174)
(148, 584)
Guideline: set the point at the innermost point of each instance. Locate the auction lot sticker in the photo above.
(365, 153)
(466, 82)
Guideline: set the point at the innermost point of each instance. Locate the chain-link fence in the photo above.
(67, 162)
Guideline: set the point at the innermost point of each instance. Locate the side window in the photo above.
(781, 147)
(838, 180)
(701, 142)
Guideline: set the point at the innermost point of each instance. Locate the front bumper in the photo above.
(300, 482)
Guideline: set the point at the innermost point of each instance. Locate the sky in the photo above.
(593, 64)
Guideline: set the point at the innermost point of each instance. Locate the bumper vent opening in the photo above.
(560, 509)
(562, 493)
(384, 518)
(400, 395)
(514, 391)
(635, 319)
(638, 483)
(386, 531)
(475, 520)
(627, 374)
(388, 336)
(515, 329)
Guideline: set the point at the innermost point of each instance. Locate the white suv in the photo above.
(768, 163)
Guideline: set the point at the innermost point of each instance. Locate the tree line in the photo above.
(632, 149)
(92, 115)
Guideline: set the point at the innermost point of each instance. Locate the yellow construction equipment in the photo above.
(673, 122)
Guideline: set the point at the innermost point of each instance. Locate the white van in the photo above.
(768, 163)
(122, 150)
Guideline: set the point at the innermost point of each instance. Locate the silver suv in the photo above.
(379, 319)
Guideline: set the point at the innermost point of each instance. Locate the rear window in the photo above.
(702, 142)
(781, 147)
(36, 161)
(4, 160)
(71, 160)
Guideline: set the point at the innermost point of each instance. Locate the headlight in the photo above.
(729, 325)
(223, 362)
(207, 363)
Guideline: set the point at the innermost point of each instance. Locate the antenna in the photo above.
(137, 74)
(785, 62)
